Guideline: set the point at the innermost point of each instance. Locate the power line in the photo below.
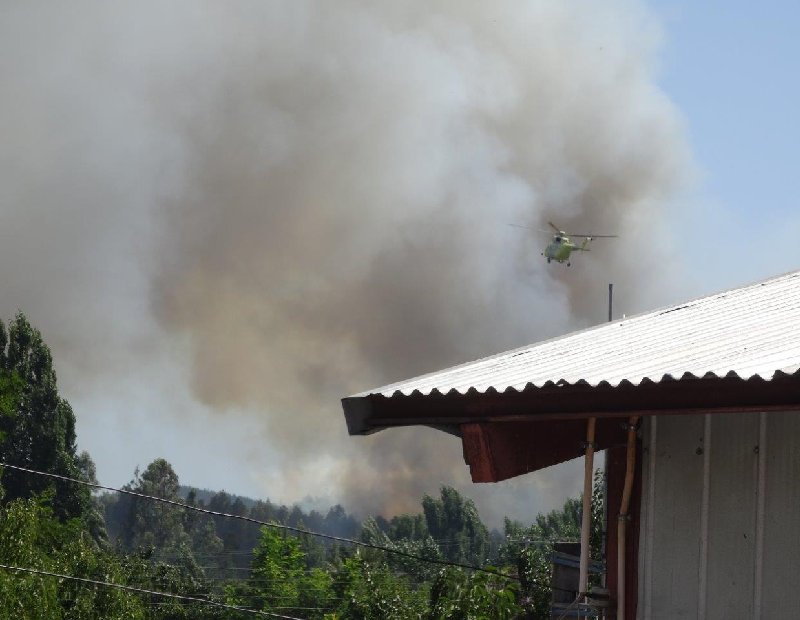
(277, 526)
(541, 541)
(151, 592)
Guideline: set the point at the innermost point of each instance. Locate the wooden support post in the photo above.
(622, 522)
(586, 517)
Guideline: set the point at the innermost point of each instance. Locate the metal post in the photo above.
(610, 300)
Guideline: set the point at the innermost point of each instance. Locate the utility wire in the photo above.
(277, 526)
(151, 592)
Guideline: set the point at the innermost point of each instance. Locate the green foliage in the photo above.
(278, 568)
(317, 592)
(60, 527)
(279, 580)
(534, 569)
(31, 537)
(457, 595)
(367, 587)
(37, 428)
(529, 549)
(418, 546)
(93, 514)
(161, 541)
(25, 533)
(180, 575)
(598, 526)
(204, 540)
(371, 591)
(408, 527)
(11, 389)
(150, 524)
(454, 523)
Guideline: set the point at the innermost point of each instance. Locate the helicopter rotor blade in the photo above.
(564, 233)
(529, 228)
(594, 236)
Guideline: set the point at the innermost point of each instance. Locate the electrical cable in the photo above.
(145, 591)
(277, 526)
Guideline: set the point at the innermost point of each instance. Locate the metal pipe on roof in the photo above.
(610, 299)
(586, 517)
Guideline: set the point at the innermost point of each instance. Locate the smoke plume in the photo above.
(300, 200)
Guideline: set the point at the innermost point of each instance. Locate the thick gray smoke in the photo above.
(314, 198)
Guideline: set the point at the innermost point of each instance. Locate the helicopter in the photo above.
(560, 248)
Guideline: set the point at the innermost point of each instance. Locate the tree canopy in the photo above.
(58, 526)
(37, 426)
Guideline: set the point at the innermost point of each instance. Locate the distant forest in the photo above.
(69, 553)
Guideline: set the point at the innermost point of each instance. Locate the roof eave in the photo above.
(685, 395)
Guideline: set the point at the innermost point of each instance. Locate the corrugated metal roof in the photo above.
(749, 331)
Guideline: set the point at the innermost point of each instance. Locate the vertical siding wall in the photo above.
(720, 523)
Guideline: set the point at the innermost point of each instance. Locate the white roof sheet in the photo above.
(748, 331)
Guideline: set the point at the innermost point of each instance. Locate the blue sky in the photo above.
(731, 68)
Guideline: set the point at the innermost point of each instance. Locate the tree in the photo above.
(11, 386)
(94, 514)
(277, 570)
(202, 532)
(419, 545)
(234, 532)
(528, 549)
(279, 580)
(371, 591)
(598, 525)
(457, 595)
(453, 522)
(54, 525)
(31, 537)
(152, 524)
(37, 426)
(408, 527)
(339, 523)
(181, 575)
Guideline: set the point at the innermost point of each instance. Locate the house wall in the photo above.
(720, 517)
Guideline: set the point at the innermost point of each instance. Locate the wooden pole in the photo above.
(622, 523)
(586, 517)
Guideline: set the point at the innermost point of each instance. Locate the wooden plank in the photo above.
(497, 452)
(477, 453)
